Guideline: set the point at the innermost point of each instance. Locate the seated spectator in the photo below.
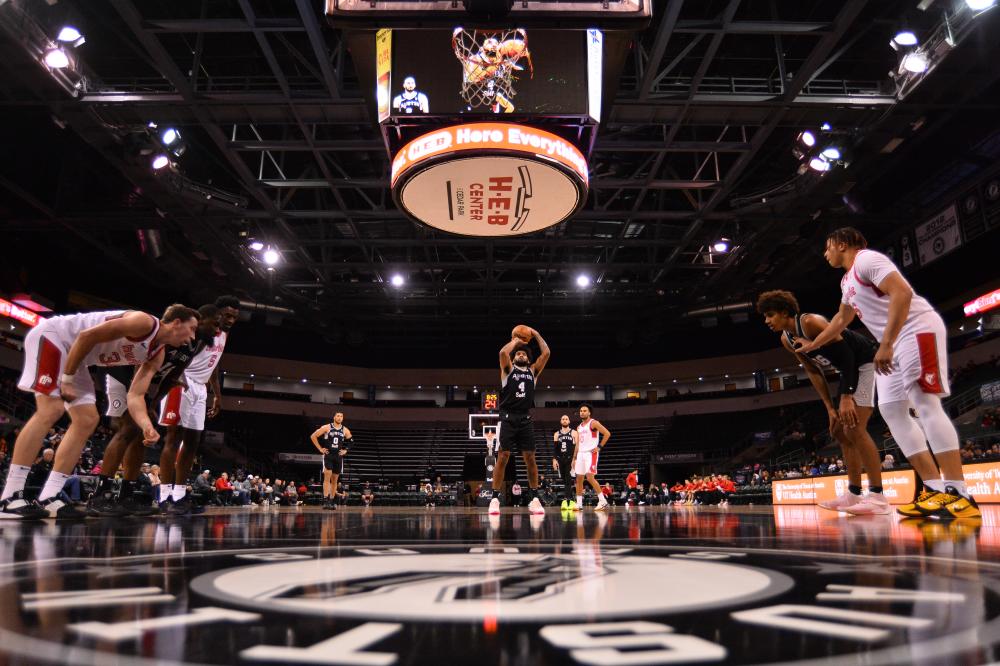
(223, 489)
(889, 462)
(98, 467)
(204, 487)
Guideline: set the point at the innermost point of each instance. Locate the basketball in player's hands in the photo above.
(522, 333)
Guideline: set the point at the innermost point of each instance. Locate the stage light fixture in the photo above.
(271, 256)
(160, 161)
(826, 127)
(807, 138)
(256, 246)
(915, 63)
(169, 136)
(721, 245)
(905, 38)
(831, 153)
(583, 281)
(70, 35)
(819, 164)
(397, 280)
(56, 58)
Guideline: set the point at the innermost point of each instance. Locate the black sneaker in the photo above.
(181, 507)
(104, 505)
(166, 506)
(16, 507)
(56, 508)
(136, 507)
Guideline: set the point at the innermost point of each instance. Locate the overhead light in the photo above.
(915, 63)
(169, 136)
(701, 379)
(56, 58)
(831, 153)
(256, 246)
(826, 127)
(70, 35)
(271, 256)
(808, 138)
(397, 280)
(721, 246)
(979, 5)
(583, 281)
(905, 38)
(819, 164)
(160, 161)
(304, 380)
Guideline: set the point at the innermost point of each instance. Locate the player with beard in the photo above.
(564, 443)
(411, 101)
(591, 437)
(337, 439)
(517, 396)
(126, 445)
(186, 426)
(850, 354)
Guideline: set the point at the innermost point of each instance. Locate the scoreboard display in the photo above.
(491, 400)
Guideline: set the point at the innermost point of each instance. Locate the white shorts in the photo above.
(185, 407)
(45, 354)
(920, 361)
(864, 395)
(117, 397)
(586, 462)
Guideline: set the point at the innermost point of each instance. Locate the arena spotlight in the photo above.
(722, 245)
(169, 136)
(56, 58)
(397, 280)
(979, 5)
(807, 138)
(160, 161)
(819, 164)
(905, 38)
(271, 256)
(826, 127)
(831, 153)
(915, 63)
(583, 281)
(256, 245)
(70, 35)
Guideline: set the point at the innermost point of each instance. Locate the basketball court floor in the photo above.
(382, 586)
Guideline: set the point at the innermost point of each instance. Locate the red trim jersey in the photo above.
(859, 289)
(203, 365)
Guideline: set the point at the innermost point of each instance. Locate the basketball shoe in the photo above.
(602, 505)
(573, 506)
(494, 507)
(16, 507)
(841, 503)
(950, 505)
(535, 507)
(564, 506)
(872, 504)
(913, 508)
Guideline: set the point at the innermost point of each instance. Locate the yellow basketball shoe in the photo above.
(961, 507)
(912, 510)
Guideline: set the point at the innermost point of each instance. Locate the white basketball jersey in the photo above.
(203, 365)
(589, 439)
(859, 287)
(123, 351)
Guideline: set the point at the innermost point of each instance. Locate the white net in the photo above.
(492, 62)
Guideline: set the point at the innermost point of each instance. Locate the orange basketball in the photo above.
(522, 333)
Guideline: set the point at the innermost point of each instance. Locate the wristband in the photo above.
(68, 378)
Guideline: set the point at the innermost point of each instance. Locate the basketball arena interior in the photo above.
(702, 367)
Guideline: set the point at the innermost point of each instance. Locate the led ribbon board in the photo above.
(14, 311)
(489, 179)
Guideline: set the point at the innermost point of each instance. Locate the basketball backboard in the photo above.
(480, 423)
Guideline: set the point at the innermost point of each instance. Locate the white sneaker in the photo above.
(872, 504)
(602, 506)
(535, 507)
(841, 503)
(494, 507)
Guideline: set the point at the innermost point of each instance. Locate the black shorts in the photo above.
(333, 462)
(516, 432)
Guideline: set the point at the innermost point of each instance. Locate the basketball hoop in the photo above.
(490, 64)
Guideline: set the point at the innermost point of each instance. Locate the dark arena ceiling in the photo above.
(702, 110)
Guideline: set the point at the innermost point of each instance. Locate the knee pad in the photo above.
(936, 424)
(903, 427)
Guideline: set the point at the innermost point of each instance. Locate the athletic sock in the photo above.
(579, 500)
(937, 485)
(959, 486)
(179, 491)
(875, 489)
(53, 485)
(856, 490)
(166, 489)
(16, 476)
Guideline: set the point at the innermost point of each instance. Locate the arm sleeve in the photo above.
(848, 367)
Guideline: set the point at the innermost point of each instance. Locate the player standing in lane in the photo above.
(564, 443)
(912, 367)
(336, 440)
(591, 437)
(517, 397)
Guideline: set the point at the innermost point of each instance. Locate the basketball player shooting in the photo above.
(491, 67)
(517, 396)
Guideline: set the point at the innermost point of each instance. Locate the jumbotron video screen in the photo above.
(487, 72)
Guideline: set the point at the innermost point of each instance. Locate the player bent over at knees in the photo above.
(852, 355)
(592, 436)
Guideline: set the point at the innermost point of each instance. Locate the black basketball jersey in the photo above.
(335, 438)
(175, 361)
(409, 105)
(831, 357)
(517, 394)
(564, 444)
